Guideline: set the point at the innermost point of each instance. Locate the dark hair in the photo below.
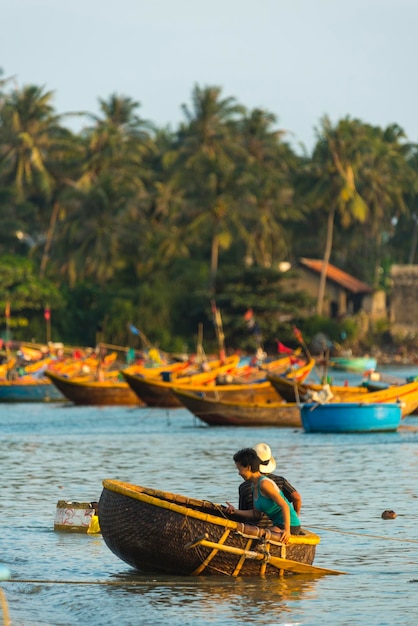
(247, 457)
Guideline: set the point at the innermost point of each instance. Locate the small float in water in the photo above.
(76, 517)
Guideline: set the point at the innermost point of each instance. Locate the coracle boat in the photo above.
(215, 411)
(351, 417)
(157, 531)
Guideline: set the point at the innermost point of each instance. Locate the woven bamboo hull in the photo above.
(218, 412)
(150, 530)
(107, 393)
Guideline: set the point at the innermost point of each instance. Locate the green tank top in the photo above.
(271, 508)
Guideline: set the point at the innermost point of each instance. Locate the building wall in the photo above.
(375, 305)
(404, 298)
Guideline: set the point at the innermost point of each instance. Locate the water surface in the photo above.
(61, 452)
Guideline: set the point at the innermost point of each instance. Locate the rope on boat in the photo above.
(347, 532)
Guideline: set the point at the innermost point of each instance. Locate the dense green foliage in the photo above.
(125, 223)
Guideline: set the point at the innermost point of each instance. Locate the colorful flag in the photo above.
(283, 349)
(297, 334)
(7, 310)
(249, 318)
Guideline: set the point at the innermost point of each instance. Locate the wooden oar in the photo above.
(285, 564)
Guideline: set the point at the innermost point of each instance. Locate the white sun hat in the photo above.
(268, 463)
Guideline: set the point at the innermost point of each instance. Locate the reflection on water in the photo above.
(56, 452)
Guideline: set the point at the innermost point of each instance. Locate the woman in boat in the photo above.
(267, 467)
(267, 497)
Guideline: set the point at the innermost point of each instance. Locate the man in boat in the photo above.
(267, 467)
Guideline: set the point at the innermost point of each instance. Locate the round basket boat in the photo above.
(158, 531)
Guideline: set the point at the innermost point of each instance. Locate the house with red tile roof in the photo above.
(344, 294)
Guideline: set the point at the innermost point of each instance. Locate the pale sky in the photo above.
(297, 59)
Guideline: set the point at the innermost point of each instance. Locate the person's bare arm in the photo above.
(269, 489)
(296, 498)
(251, 514)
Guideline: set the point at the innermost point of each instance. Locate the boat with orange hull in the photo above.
(85, 391)
(406, 395)
(159, 393)
(299, 391)
(215, 411)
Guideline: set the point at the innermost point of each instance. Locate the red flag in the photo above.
(47, 314)
(297, 334)
(283, 349)
(249, 318)
(248, 315)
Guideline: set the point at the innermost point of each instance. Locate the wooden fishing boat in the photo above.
(209, 408)
(157, 531)
(85, 391)
(160, 393)
(351, 417)
(406, 395)
(298, 391)
(353, 364)
(29, 389)
(157, 392)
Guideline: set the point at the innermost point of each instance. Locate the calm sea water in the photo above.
(60, 452)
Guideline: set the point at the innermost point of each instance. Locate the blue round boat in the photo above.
(351, 417)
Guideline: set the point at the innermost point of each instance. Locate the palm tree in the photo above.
(265, 176)
(383, 181)
(106, 207)
(208, 148)
(34, 150)
(331, 180)
(90, 242)
(118, 142)
(28, 127)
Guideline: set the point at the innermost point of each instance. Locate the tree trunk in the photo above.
(325, 262)
(214, 263)
(49, 237)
